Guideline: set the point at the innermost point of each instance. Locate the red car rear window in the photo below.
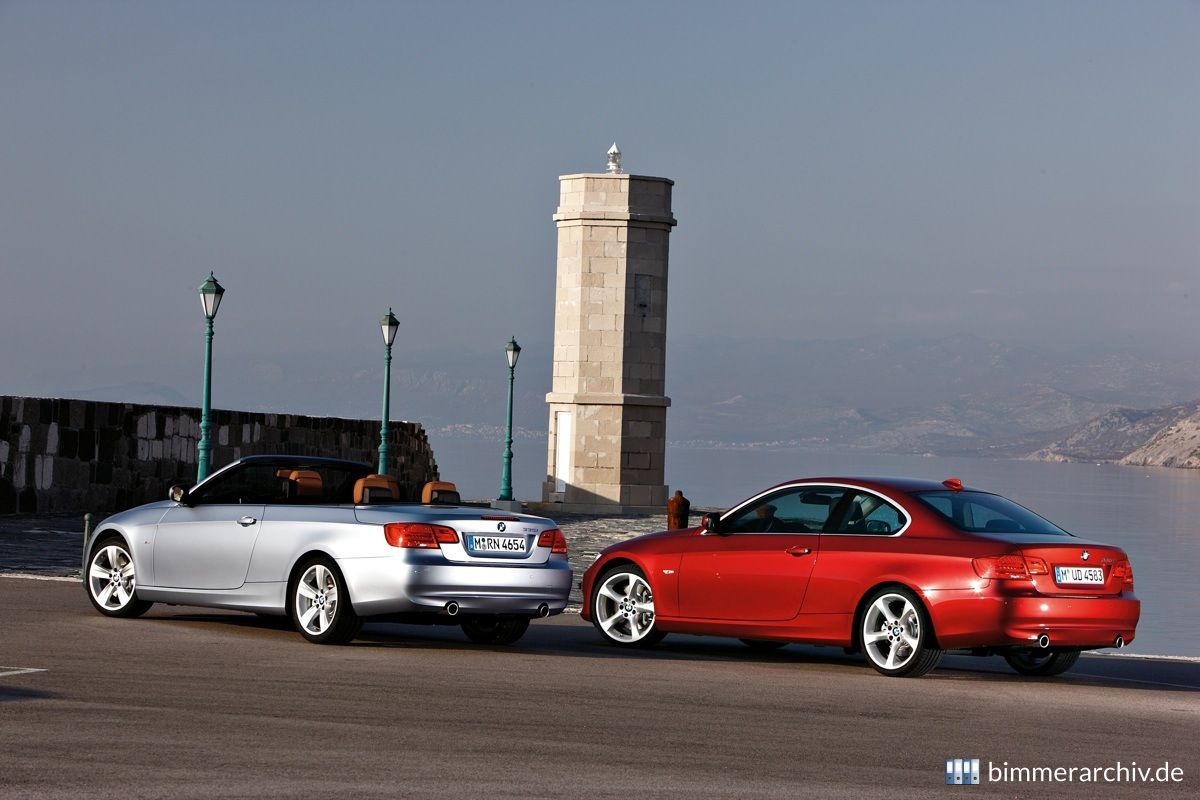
(980, 512)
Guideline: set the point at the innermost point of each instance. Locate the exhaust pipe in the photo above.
(451, 608)
(1043, 641)
(1119, 642)
(544, 610)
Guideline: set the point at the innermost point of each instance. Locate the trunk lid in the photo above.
(485, 536)
(1075, 567)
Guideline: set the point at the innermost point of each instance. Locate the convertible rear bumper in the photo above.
(391, 585)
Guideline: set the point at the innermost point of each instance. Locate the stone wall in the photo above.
(80, 455)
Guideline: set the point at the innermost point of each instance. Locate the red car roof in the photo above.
(883, 484)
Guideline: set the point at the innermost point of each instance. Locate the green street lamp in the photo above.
(512, 351)
(389, 325)
(211, 293)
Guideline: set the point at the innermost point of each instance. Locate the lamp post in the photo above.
(512, 351)
(211, 293)
(389, 325)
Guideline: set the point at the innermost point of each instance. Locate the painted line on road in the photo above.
(27, 576)
(19, 671)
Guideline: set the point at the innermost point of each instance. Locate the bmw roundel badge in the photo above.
(500, 527)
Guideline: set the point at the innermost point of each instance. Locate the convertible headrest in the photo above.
(307, 482)
(376, 489)
(440, 493)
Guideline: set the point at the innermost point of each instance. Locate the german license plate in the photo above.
(1083, 575)
(496, 544)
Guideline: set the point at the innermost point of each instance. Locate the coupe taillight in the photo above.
(1011, 568)
(1123, 571)
(418, 535)
(1036, 566)
(553, 539)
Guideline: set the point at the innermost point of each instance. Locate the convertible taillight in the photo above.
(1012, 568)
(553, 539)
(418, 535)
(1123, 571)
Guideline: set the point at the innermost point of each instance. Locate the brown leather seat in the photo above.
(304, 483)
(376, 489)
(442, 493)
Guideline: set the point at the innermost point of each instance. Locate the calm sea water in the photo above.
(1153, 513)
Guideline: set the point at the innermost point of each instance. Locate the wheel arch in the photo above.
(311, 552)
(102, 534)
(618, 560)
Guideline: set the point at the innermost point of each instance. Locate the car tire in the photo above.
(319, 603)
(763, 644)
(896, 635)
(495, 629)
(1041, 663)
(623, 608)
(111, 580)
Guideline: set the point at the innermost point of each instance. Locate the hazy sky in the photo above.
(1018, 170)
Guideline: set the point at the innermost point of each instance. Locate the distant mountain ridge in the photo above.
(957, 395)
(960, 395)
(1165, 437)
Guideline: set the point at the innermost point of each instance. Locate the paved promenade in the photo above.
(190, 702)
(51, 544)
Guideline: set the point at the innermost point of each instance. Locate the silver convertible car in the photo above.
(329, 544)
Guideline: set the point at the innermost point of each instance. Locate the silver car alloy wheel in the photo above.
(625, 607)
(111, 577)
(891, 633)
(316, 599)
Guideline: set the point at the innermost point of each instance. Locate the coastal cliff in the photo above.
(1165, 437)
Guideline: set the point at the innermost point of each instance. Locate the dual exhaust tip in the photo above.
(1043, 641)
(451, 609)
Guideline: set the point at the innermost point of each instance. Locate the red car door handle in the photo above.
(797, 551)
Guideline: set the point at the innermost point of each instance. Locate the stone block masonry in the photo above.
(608, 410)
(81, 455)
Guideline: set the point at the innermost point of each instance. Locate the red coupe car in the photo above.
(899, 569)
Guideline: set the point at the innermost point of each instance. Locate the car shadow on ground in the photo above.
(1128, 673)
(10, 694)
(572, 641)
(580, 641)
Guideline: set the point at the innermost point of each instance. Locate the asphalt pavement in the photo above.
(195, 703)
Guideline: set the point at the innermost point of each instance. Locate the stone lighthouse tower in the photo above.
(608, 412)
